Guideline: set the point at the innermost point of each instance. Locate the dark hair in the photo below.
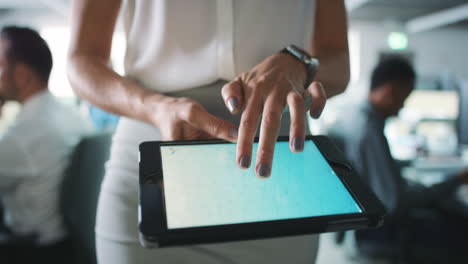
(392, 69)
(28, 47)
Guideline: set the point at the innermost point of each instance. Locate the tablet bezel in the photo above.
(152, 213)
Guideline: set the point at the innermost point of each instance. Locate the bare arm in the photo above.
(93, 24)
(89, 73)
(330, 46)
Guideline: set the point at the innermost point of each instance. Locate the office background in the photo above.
(430, 33)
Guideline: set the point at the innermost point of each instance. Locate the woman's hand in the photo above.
(265, 91)
(185, 119)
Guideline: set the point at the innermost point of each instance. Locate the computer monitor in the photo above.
(462, 124)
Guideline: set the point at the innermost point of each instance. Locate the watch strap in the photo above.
(308, 61)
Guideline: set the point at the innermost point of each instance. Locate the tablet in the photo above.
(206, 198)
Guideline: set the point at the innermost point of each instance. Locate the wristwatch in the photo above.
(310, 62)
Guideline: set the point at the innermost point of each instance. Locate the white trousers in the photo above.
(117, 216)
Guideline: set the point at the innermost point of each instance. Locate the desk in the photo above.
(431, 171)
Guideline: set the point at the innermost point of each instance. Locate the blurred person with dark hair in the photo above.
(34, 151)
(361, 133)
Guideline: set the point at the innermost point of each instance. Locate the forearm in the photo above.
(92, 29)
(330, 45)
(93, 80)
(333, 72)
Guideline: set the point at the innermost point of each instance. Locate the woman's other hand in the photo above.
(186, 119)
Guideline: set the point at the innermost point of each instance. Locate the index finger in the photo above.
(213, 125)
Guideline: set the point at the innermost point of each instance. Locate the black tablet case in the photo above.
(151, 197)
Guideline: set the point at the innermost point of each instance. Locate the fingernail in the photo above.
(233, 132)
(233, 104)
(245, 162)
(317, 114)
(298, 144)
(263, 170)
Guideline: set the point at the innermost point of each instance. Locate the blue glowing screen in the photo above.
(204, 187)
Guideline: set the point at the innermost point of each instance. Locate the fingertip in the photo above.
(232, 96)
(319, 99)
(263, 171)
(244, 162)
(297, 144)
(316, 113)
(233, 104)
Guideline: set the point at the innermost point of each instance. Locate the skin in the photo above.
(18, 82)
(464, 176)
(7, 84)
(389, 99)
(261, 92)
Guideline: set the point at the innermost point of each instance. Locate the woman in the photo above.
(179, 56)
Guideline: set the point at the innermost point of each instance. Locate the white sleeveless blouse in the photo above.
(175, 45)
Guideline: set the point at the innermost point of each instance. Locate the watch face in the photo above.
(299, 53)
(303, 56)
(313, 61)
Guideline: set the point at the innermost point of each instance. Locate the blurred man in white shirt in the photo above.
(35, 151)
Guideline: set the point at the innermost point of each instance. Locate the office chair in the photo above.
(80, 192)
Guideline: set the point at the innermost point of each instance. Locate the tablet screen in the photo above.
(204, 187)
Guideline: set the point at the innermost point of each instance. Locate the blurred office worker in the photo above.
(179, 60)
(34, 152)
(361, 131)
